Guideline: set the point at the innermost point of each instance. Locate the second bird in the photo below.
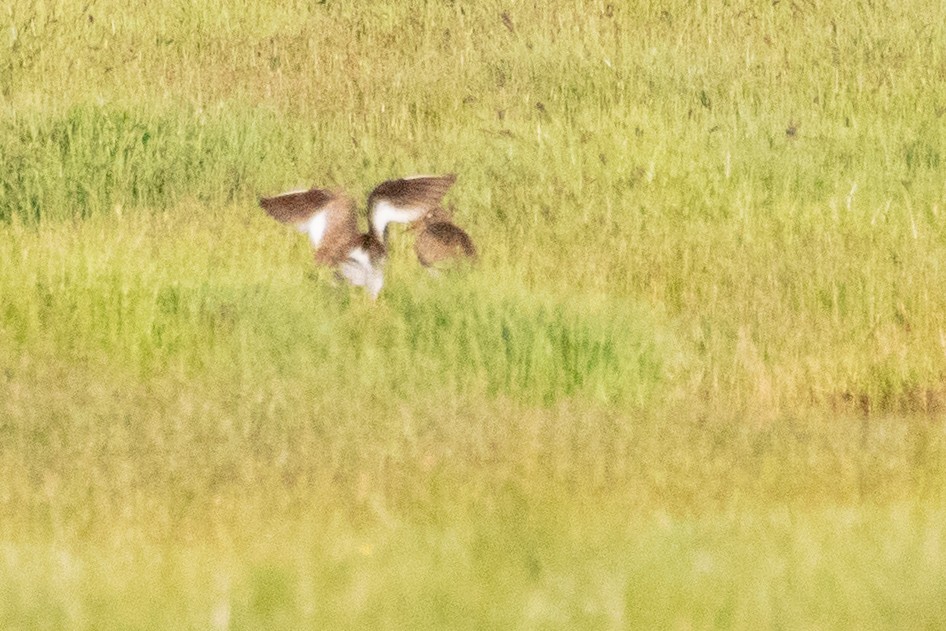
(440, 241)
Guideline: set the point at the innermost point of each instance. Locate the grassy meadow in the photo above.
(697, 378)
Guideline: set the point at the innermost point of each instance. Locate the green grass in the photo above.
(696, 379)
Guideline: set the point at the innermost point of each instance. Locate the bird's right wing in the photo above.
(405, 200)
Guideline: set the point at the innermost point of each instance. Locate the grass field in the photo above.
(696, 380)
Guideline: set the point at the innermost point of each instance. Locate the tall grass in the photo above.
(697, 378)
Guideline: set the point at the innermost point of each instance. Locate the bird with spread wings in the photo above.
(329, 219)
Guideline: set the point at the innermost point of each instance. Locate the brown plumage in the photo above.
(328, 218)
(296, 206)
(439, 240)
(420, 190)
(330, 221)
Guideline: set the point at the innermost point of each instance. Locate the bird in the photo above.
(329, 219)
(440, 240)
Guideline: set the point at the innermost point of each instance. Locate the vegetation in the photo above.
(697, 379)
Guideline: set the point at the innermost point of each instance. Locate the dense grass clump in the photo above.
(90, 160)
(147, 310)
(697, 377)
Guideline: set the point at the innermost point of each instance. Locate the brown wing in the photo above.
(405, 200)
(341, 230)
(297, 206)
(419, 191)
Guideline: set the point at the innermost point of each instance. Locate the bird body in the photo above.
(364, 263)
(440, 240)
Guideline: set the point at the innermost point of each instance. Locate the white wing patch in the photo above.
(315, 227)
(385, 212)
